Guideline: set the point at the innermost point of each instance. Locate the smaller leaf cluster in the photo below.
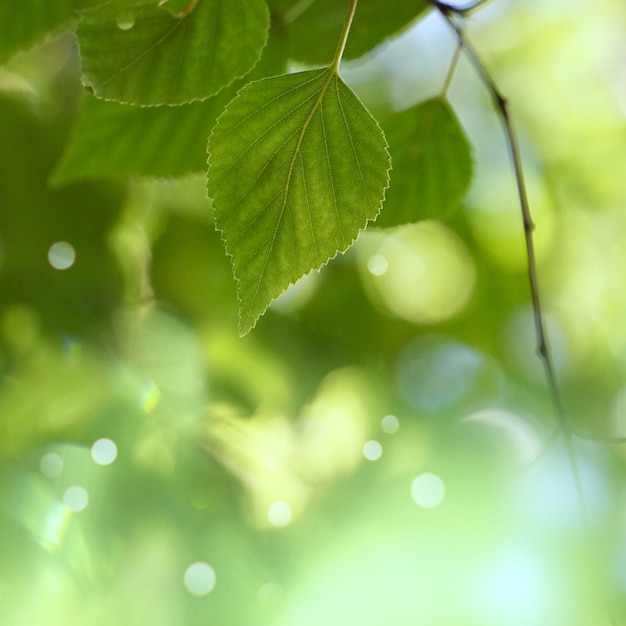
(297, 164)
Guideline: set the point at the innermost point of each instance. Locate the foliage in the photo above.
(261, 456)
(297, 167)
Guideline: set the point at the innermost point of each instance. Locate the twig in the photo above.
(453, 65)
(449, 9)
(544, 349)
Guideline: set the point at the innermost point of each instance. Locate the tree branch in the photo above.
(543, 345)
(449, 9)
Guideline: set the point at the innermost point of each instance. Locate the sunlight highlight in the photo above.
(104, 451)
(150, 396)
(76, 498)
(279, 514)
(517, 587)
(428, 490)
(199, 579)
(372, 450)
(54, 525)
(377, 264)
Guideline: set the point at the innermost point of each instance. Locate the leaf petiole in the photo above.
(453, 65)
(343, 39)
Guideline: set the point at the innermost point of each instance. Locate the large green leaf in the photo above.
(432, 163)
(297, 167)
(312, 27)
(143, 53)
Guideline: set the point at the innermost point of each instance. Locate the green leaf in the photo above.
(297, 167)
(145, 54)
(113, 140)
(432, 164)
(24, 26)
(33, 218)
(312, 27)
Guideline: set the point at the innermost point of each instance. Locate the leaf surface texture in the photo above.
(142, 53)
(297, 167)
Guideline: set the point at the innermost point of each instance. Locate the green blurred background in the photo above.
(379, 449)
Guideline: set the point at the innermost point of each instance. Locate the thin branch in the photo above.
(544, 349)
(449, 9)
(453, 65)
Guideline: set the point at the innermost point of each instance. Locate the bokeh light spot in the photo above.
(390, 424)
(51, 465)
(377, 264)
(372, 450)
(104, 451)
(61, 255)
(279, 514)
(76, 498)
(199, 578)
(423, 273)
(428, 490)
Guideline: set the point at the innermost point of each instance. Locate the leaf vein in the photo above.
(148, 50)
(354, 152)
(330, 177)
(217, 181)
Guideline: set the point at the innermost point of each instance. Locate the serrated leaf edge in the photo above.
(244, 329)
(89, 86)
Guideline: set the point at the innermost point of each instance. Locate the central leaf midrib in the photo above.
(305, 125)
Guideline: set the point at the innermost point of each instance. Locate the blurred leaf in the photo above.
(24, 26)
(117, 140)
(55, 393)
(141, 53)
(297, 167)
(432, 164)
(313, 27)
(113, 140)
(33, 218)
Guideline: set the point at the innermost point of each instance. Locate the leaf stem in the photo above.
(543, 348)
(453, 65)
(343, 39)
